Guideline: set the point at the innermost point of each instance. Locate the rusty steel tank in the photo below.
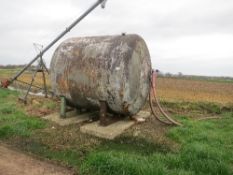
(114, 69)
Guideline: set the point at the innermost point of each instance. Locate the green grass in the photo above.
(205, 147)
(50, 105)
(13, 121)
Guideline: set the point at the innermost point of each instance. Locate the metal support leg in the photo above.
(63, 107)
(24, 99)
(45, 86)
(103, 113)
(43, 69)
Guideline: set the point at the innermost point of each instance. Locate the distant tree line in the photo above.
(10, 66)
(14, 66)
(197, 77)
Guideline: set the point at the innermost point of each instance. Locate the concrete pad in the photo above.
(108, 132)
(113, 130)
(71, 118)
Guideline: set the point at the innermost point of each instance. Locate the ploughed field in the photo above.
(178, 89)
(150, 148)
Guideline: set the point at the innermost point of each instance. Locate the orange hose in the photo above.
(153, 94)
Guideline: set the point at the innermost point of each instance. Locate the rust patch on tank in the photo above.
(63, 84)
(126, 108)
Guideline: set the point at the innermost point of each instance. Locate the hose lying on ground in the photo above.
(166, 118)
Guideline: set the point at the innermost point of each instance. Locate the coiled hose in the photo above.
(166, 118)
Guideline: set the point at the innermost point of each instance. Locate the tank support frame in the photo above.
(103, 113)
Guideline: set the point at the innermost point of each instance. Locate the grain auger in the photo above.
(6, 83)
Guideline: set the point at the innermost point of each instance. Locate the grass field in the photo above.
(198, 147)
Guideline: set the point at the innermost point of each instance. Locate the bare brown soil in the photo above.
(15, 163)
(173, 89)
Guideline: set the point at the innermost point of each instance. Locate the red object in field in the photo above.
(154, 78)
(5, 83)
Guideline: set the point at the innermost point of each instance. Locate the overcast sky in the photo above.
(188, 36)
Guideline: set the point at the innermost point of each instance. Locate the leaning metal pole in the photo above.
(102, 2)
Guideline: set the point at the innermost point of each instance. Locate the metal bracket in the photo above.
(103, 113)
(5, 83)
(103, 4)
(63, 107)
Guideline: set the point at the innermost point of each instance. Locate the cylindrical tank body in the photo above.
(115, 69)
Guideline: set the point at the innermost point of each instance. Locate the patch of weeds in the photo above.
(4, 93)
(126, 155)
(203, 107)
(6, 131)
(210, 108)
(114, 163)
(203, 158)
(140, 145)
(7, 109)
(50, 105)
